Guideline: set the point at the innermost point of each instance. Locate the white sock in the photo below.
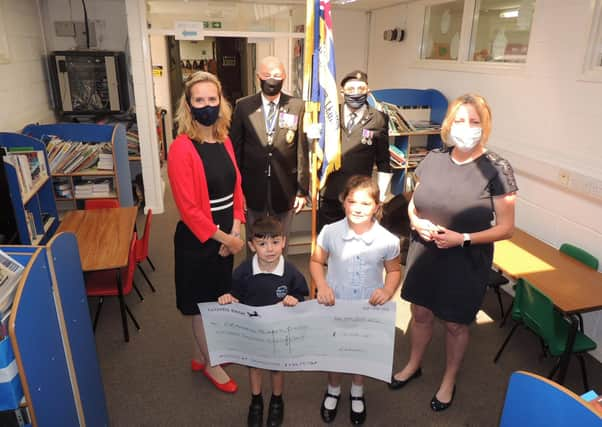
(330, 402)
(357, 391)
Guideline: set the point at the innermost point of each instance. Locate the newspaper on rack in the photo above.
(10, 272)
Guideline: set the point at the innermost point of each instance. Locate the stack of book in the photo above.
(94, 188)
(133, 143)
(10, 272)
(67, 157)
(397, 157)
(416, 156)
(397, 123)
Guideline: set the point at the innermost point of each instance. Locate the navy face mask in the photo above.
(271, 86)
(206, 115)
(355, 101)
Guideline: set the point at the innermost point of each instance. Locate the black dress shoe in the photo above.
(275, 412)
(357, 418)
(255, 417)
(438, 406)
(397, 384)
(328, 415)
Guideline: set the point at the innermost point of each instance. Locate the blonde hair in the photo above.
(186, 122)
(479, 104)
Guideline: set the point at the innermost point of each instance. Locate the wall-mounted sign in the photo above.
(229, 61)
(189, 30)
(157, 70)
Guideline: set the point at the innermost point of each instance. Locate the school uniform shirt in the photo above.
(356, 261)
(251, 286)
(362, 146)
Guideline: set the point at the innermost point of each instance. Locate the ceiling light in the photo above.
(509, 14)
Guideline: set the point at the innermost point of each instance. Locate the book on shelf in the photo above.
(397, 156)
(29, 166)
(67, 157)
(397, 123)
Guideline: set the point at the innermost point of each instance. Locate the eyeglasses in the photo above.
(353, 90)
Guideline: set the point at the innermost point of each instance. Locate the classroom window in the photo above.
(441, 34)
(500, 30)
(463, 31)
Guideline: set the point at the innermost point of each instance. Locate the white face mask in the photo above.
(465, 138)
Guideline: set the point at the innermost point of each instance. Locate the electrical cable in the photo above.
(86, 25)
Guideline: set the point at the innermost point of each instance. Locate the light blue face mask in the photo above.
(465, 138)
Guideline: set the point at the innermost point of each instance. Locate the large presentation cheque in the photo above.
(351, 336)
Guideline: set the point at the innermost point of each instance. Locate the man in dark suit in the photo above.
(271, 149)
(364, 143)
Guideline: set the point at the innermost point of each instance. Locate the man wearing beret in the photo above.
(271, 148)
(364, 143)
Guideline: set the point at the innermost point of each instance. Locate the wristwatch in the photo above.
(466, 242)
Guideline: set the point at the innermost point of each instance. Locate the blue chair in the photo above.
(535, 401)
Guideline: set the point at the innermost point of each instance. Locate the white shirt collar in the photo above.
(367, 237)
(266, 102)
(359, 113)
(278, 271)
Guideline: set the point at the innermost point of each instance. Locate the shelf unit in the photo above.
(436, 103)
(35, 211)
(51, 336)
(91, 133)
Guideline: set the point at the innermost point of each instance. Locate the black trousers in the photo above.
(331, 210)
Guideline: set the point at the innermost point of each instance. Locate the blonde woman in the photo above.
(464, 201)
(206, 187)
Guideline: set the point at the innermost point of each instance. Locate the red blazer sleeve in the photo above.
(189, 188)
(239, 212)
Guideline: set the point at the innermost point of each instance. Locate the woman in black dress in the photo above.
(206, 186)
(463, 202)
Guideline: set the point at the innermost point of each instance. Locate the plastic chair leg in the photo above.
(583, 372)
(138, 292)
(151, 263)
(147, 279)
(127, 309)
(97, 315)
(499, 353)
(499, 300)
(503, 322)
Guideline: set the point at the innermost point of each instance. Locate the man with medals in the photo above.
(364, 143)
(271, 148)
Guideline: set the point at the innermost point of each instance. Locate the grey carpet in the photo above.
(148, 381)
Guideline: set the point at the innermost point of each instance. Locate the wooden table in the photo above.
(573, 287)
(103, 237)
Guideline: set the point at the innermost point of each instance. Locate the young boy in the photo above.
(266, 279)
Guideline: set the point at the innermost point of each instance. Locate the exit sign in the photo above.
(212, 24)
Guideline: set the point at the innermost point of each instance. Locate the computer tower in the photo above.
(88, 82)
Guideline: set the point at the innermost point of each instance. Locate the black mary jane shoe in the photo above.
(328, 415)
(357, 418)
(438, 406)
(255, 417)
(397, 384)
(275, 413)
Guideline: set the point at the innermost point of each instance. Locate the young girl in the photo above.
(357, 249)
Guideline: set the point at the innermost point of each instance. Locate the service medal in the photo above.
(290, 135)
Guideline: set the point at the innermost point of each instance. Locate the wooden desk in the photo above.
(103, 237)
(572, 287)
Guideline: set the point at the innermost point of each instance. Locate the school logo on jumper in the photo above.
(281, 291)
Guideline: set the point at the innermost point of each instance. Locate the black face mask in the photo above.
(355, 101)
(206, 115)
(271, 87)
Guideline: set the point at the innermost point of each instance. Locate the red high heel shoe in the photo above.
(195, 365)
(228, 387)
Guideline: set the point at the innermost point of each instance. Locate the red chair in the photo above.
(104, 284)
(142, 248)
(101, 203)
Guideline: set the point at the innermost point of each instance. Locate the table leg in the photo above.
(570, 341)
(124, 320)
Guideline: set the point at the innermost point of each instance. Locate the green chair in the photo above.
(536, 312)
(583, 257)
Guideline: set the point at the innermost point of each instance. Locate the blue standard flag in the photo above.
(320, 88)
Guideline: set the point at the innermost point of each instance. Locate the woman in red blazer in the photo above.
(206, 187)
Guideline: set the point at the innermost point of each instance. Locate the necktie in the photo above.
(351, 122)
(271, 117)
